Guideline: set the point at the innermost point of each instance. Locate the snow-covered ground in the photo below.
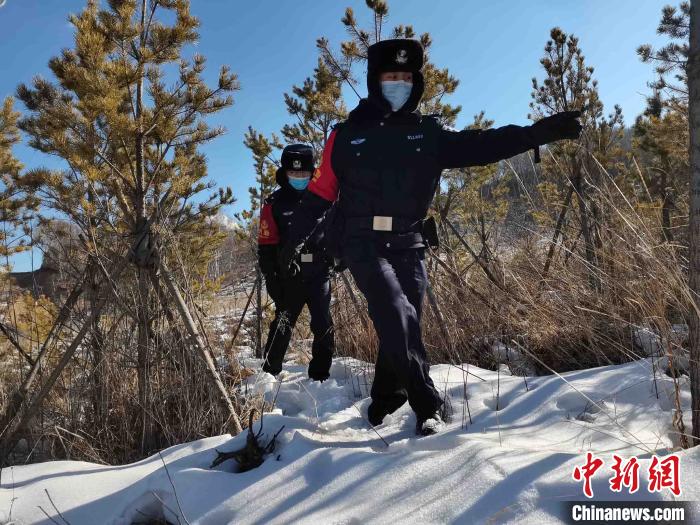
(512, 463)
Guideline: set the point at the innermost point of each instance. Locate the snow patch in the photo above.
(511, 465)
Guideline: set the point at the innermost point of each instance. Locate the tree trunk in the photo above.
(142, 261)
(99, 384)
(234, 423)
(557, 231)
(19, 397)
(147, 443)
(8, 440)
(694, 120)
(666, 210)
(258, 314)
(259, 278)
(256, 286)
(589, 248)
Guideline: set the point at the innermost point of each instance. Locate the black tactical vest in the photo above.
(387, 167)
(283, 202)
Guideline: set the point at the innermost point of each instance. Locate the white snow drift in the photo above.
(506, 457)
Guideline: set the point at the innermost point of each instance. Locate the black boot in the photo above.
(270, 369)
(427, 426)
(317, 376)
(376, 413)
(319, 371)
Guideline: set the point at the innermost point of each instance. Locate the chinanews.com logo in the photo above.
(613, 512)
(662, 481)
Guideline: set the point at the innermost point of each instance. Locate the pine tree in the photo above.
(353, 52)
(661, 133)
(661, 143)
(473, 197)
(569, 85)
(265, 165)
(16, 210)
(130, 141)
(316, 107)
(671, 60)
(16, 205)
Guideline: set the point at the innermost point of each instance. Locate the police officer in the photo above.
(310, 285)
(383, 167)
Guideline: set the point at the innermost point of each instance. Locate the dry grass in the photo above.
(487, 312)
(507, 310)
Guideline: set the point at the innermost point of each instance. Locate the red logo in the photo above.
(586, 472)
(664, 473)
(626, 475)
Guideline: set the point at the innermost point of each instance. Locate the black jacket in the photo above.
(378, 164)
(275, 225)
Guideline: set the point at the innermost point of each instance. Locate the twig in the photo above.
(47, 515)
(172, 484)
(11, 338)
(245, 311)
(641, 445)
(165, 505)
(370, 424)
(54, 506)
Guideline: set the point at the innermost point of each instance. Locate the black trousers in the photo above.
(394, 284)
(312, 287)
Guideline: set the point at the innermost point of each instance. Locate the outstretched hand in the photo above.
(559, 126)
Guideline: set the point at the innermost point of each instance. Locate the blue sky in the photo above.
(492, 46)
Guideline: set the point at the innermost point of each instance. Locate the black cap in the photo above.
(298, 157)
(295, 157)
(400, 54)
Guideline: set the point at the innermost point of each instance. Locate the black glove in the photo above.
(556, 127)
(287, 259)
(430, 233)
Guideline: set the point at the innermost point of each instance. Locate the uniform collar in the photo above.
(368, 110)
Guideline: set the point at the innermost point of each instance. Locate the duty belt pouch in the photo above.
(430, 233)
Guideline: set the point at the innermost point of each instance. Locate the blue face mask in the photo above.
(299, 184)
(396, 92)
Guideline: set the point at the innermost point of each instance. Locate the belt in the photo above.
(382, 223)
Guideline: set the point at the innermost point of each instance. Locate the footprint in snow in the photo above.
(581, 408)
(495, 403)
